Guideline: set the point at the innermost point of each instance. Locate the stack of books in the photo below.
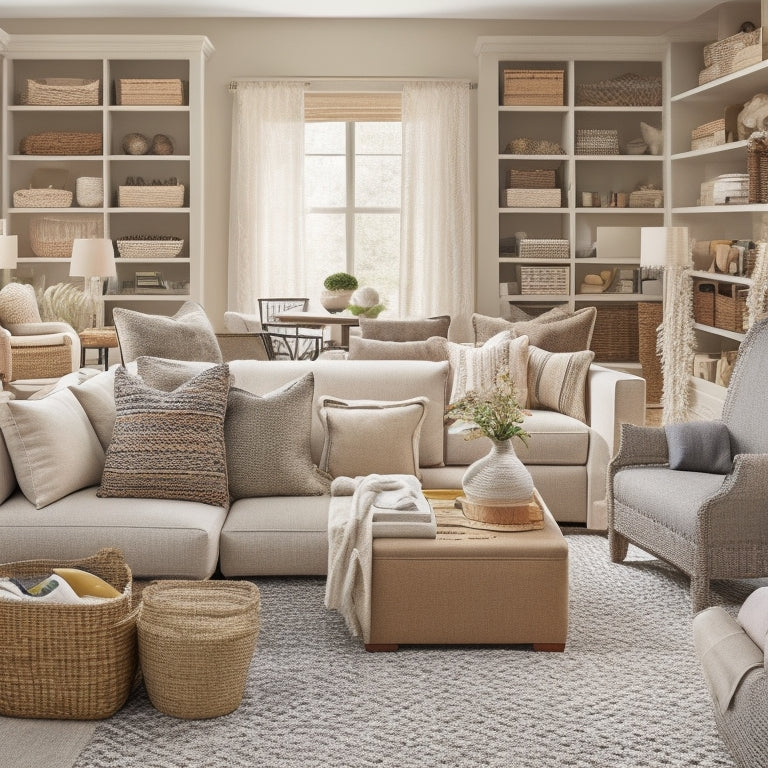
(150, 282)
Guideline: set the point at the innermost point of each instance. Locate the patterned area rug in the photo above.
(627, 692)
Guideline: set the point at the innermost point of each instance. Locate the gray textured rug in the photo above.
(627, 692)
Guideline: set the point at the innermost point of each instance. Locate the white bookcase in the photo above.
(111, 58)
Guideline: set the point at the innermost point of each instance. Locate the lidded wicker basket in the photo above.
(196, 641)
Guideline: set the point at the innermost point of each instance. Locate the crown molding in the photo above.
(72, 46)
(609, 47)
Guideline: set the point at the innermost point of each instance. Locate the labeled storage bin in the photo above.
(704, 301)
(533, 87)
(61, 92)
(149, 91)
(531, 248)
(68, 662)
(151, 196)
(730, 307)
(533, 198)
(544, 280)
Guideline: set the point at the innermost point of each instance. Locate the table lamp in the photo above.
(668, 250)
(93, 259)
(9, 251)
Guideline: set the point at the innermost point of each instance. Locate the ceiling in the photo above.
(554, 10)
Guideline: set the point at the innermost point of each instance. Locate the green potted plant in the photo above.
(339, 287)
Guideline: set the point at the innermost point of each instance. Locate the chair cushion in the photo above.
(187, 335)
(558, 381)
(699, 446)
(405, 330)
(18, 304)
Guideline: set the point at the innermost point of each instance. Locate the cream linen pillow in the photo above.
(434, 349)
(475, 368)
(53, 447)
(97, 397)
(557, 381)
(364, 437)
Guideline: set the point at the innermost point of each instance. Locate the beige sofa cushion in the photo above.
(96, 395)
(434, 349)
(416, 329)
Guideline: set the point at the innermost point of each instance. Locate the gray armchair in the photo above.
(709, 525)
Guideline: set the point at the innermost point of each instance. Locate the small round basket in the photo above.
(196, 641)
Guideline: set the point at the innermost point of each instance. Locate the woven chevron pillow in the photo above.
(169, 445)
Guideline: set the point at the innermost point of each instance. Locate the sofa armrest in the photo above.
(26, 329)
(614, 398)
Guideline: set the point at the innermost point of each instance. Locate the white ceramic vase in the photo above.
(335, 301)
(498, 478)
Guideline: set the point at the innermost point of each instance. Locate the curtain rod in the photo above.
(308, 81)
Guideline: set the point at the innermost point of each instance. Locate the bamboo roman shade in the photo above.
(324, 106)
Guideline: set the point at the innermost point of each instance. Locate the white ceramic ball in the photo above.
(365, 297)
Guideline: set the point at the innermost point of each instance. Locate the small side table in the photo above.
(102, 339)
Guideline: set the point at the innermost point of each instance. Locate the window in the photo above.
(352, 196)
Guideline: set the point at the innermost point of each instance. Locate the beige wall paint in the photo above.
(303, 48)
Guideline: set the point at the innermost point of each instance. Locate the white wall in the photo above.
(304, 48)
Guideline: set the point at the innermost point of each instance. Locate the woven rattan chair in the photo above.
(710, 526)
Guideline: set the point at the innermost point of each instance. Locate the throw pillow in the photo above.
(699, 446)
(18, 305)
(475, 368)
(97, 398)
(557, 381)
(188, 335)
(268, 442)
(53, 447)
(567, 334)
(486, 327)
(405, 330)
(167, 375)
(753, 617)
(364, 437)
(169, 445)
(434, 349)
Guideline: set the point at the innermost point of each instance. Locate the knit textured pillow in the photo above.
(268, 442)
(188, 335)
(18, 305)
(169, 445)
(557, 381)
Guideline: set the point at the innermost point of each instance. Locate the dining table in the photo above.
(320, 317)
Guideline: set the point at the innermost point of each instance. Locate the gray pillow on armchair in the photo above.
(699, 446)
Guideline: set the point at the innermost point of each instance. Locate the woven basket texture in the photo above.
(533, 198)
(731, 54)
(646, 198)
(62, 91)
(628, 90)
(649, 316)
(150, 248)
(531, 248)
(42, 198)
(730, 307)
(597, 141)
(533, 87)
(151, 196)
(196, 641)
(43, 362)
(68, 662)
(61, 143)
(704, 301)
(757, 167)
(544, 280)
(540, 178)
(89, 191)
(615, 337)
(149, 91)
(53, 238)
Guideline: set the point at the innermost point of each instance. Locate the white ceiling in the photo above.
(565, 10)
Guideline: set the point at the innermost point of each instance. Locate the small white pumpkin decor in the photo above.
(365, 303)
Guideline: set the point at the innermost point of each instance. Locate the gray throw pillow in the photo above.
(405, 330)
(187, 335)
(699, 446)
(268, 442)
(434, 349)
(160, 373)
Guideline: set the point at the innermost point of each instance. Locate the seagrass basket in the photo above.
(539, 178)
(597, 141)
(149, 247)
(730, 307)
(533, 248)
(51, 238)
(627, 90)
(42, 198)
(68, 662)
(61, 92)
(757, 167)
(615, 336)
(42, 361)
(533, 87)
(196, 641)
(649, 317)
(61, 143)
(149, 91)
(704, 301)
(150, 196)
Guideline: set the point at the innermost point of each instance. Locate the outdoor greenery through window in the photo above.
(352, 194)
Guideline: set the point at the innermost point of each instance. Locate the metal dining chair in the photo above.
(290, 341)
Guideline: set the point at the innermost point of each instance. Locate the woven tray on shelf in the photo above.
(533, 87)
(540, 178)
(42, 198)
(68, 662)
(704, 301)
(149, 91)
(531, 248)
(61, 92)
(544, 280)
(533, 198)
(615, 336)
(627, 90)
(53, 238)
(150, 196)
(730, 307)
(757, 167)
(597, 141)
(149, 247)
(61, 143)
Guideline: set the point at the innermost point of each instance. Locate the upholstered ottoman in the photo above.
(471, 586)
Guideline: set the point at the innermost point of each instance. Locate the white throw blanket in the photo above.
(350, 541)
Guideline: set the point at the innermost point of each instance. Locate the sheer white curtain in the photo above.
(266, 222)
(437, 274)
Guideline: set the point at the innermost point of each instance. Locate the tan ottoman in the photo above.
(471, 586)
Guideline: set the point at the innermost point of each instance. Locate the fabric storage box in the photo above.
(615, 336)
(533, 87)
(533, 198)
(545, 280)
(531, 248)
(61, 143)
(68, 662)
(42, 198)
(61, 92)
(627, 90)
(704, 301)
(597, 141)
(151, 196)
(730, 307)
(543, 178)
(149, 91)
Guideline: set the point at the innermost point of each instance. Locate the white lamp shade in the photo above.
(664, 247)
(92, 257)
(9, 251)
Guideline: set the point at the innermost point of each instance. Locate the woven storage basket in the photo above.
(615, 336)
(62, 91)
(42, 198)
(628, 90)
(730, 307)
(704, 301)
(89, 191)
(757, 167)
(543, 178)
(597, 141)
(42, 362)
(53, 238)
(646, 198)
(151, 196)
(61, 143)
(531, 248)
(69, 662)
(710, 134)
(151, 248)
(196, 641)
(533, 87)
(721, 52)
(649, 316)
(149, 91)
(533, 198)
(544, 280)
